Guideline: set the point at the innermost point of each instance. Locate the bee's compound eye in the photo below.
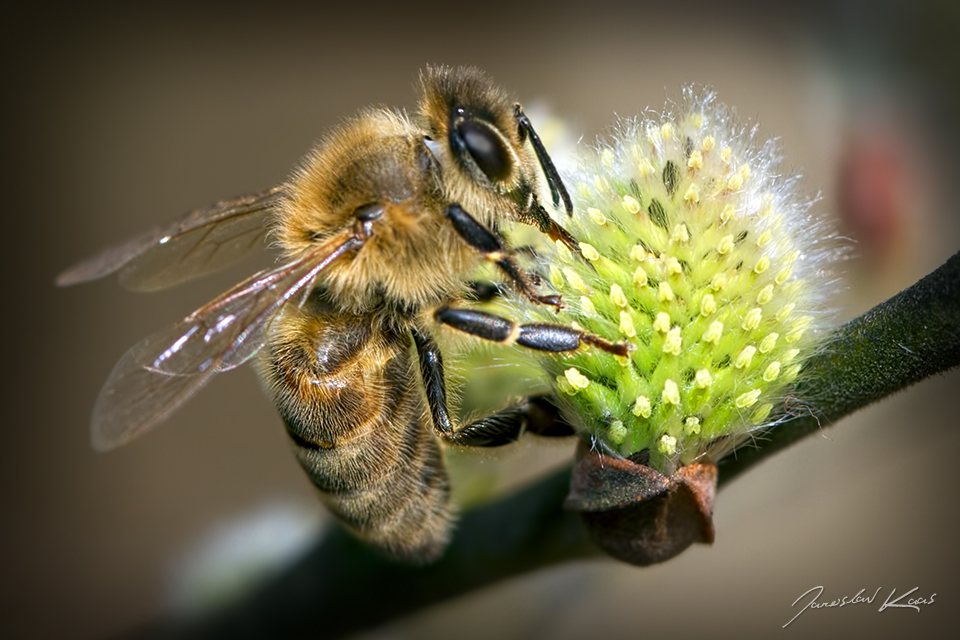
(486, 149)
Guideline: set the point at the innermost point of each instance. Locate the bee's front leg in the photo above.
(491, 246)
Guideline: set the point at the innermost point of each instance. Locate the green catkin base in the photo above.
(697, 253)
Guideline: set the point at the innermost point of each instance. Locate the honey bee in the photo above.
(380, 227)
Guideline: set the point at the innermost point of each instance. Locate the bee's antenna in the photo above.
(557, 189)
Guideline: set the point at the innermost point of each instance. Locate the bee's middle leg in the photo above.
(555, 338)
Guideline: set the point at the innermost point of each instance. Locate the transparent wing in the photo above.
(158, 375)
(201, 242)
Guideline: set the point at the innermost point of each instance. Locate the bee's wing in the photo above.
(201, 242)
(158, 375)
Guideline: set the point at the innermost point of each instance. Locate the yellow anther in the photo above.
(673, 342)
(576, 379)
(769, 342)
(565, 387)
(617, 296)
(772, 372)
(672, 266)
(626, 325)
(607, 158)
(665, 293)
(726, 214)
(589, 251)
(668, 445)
(680, 235)
(725, 245)
(640, 277)
(784, 275)
(563, 251)
(695, 161)
(747, 399)
(556, 278)
(752, 320)
(671, 393)
(702, 379)
(596, 216)
(795, 335)
(662, 322)
(718, 281)
(761, 414)
(745, 357)
(713, 332)
(642, 407)
(586, 306)
(576, 281)
(708, 305)
(617, 432)
(785, 312)
(799, 328)
(765, 295)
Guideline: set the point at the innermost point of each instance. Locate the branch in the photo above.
(342, 587)
(911, 336)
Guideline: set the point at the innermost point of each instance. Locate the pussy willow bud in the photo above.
(698, 252)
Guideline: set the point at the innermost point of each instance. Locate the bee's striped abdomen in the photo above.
(348, 395)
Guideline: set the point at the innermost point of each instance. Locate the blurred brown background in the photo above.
(118, 120)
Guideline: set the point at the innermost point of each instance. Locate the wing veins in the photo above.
(139, 394)
(163, 244)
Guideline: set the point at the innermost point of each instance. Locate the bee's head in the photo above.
(470, 124)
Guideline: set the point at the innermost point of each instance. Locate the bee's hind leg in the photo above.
(536, 414)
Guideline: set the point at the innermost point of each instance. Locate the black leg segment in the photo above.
(549, 337)
(554, 338)
(477, 323)
(495, 430)
(431, 370)
(488, 243)
(535, 414)
(476, 235)
(557, 190)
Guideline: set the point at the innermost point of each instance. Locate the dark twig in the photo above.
(342, 587)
